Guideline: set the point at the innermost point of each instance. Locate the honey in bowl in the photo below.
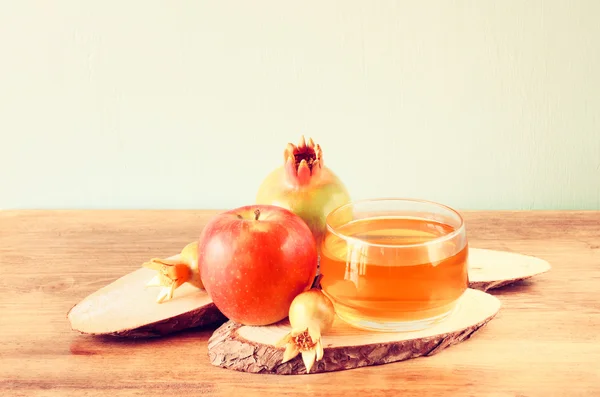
(394, 265)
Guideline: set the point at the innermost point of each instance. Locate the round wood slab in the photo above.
(251, 348)
(126, 307)
(490, 269)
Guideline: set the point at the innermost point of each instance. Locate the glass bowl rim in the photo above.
(459, 230)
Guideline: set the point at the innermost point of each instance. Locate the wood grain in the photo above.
(544, 341)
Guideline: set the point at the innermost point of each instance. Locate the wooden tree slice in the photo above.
(251, 348)
(128, 308)
(490, 269)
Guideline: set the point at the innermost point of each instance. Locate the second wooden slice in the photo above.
(489, 269)
(252, 349)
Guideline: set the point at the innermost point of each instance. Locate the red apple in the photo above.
(254, 260)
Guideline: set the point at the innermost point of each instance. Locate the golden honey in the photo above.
(394, 272)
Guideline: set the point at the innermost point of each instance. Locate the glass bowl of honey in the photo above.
(394, 264)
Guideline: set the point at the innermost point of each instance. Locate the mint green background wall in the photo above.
(173, 104)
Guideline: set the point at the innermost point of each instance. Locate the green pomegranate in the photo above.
(305, 186)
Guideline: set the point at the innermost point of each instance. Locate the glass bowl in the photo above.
(394, 264)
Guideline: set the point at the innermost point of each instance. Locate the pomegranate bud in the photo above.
(290, 150)
(319, 154)
(303, 172)
(302, 143)
(290, 167)
(316, 168)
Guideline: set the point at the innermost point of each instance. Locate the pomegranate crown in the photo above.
(303, 161)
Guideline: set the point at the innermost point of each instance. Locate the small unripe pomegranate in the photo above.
(311, 315)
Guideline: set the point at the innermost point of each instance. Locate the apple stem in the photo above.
(256, 214)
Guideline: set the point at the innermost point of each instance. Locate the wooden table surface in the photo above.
(544, 342)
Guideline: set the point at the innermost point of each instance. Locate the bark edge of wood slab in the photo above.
(127, 308)
(491, 269)
(251, 349)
